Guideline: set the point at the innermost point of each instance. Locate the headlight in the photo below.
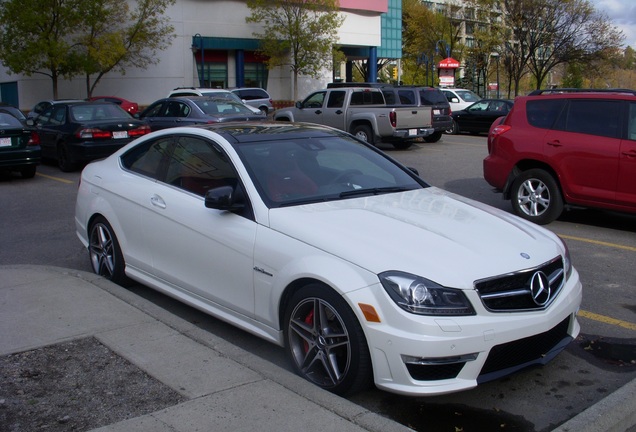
(567, 262)
(424, 297)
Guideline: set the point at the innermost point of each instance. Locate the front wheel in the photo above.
(535, 196)
(325, 341)
(105, 253)
(453, 129)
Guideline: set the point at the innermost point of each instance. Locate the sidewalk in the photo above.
(226, 387)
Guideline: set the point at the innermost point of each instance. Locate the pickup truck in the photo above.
(362, 112)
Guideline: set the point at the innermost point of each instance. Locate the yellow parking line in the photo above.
(600, 243)
(607, 320)
(55, 178)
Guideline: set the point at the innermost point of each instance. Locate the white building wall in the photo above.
(176, 65)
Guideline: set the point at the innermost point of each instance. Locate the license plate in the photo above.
(437, 112)
(120, 134)
(412, 131)
(5, 142)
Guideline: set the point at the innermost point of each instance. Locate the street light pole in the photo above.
(496, 56)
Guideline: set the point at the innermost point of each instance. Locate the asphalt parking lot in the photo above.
(38, 229)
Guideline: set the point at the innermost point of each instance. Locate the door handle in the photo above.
(318, 111)
(339, 112)
(157, 201)
(630, 154)
(555, 143)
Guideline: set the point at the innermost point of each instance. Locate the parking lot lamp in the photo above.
(197, 44)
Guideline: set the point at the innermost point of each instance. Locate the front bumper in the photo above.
(430, 355)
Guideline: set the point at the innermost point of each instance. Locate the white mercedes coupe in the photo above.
(322, 244)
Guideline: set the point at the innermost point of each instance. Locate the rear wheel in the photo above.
(454, 129)
(535, 196)
(364, 133)
(105, 253)
(28, 172)
(325, 341)
(436, 136)
(64, 159)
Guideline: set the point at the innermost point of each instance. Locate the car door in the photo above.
(626, 185)
(584, 146)
(205, 252)
(311, 109)
(50, 125)
(474, 117)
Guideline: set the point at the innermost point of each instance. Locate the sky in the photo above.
(622, 13)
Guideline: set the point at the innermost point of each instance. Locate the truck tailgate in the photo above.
(413, 117)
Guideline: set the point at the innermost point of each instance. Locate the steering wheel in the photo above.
(343, 176)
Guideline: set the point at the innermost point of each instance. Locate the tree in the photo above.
(300, 34)
(114, 38)
(34, 37)
(66, 38)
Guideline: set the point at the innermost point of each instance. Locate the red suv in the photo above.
(565, 147)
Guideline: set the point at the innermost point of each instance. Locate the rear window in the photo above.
(432, 97)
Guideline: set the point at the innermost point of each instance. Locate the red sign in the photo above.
(449, 63)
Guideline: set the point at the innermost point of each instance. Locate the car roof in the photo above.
(562, 91)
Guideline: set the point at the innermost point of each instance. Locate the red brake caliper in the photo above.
(309, 319)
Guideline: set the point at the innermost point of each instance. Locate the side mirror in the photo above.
(455, 100)
(225, 198)
(30, 122)
(298, 104)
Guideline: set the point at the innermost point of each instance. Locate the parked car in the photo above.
(19, 146)
(362, 112)
(313, 240)
(189, 111)
(210, 92)
(423, 96)
(73, 133)
(255, 97)
(11, 110)
(562, 148)
(460, 99)
(131, 108)
(478, 117)
(41, 106)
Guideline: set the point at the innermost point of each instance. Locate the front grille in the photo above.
(513, 292)
(434, 372)
(538, 349)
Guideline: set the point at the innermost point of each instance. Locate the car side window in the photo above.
(336, 99)
(196, 165)
(479, 106)
(148, 159)
(544, 113)
(592, 117)
(407, 97)
(314, 101)
(155, 111)
(631, 127)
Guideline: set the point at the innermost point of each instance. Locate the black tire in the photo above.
(64, 159)
(436, 136)
(105, 253)
(330, 351)
(535, 196)
(28, 171)
(454, 129)
(364, 133)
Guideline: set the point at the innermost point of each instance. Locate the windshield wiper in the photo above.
(374, 191)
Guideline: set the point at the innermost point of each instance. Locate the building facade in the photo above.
(215, 47)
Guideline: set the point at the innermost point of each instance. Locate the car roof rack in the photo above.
(579, 90)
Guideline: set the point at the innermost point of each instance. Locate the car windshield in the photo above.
(468, 96)
(299, 171)
(218, 106)
(98, 111)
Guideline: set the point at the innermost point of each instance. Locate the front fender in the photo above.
(284, 115)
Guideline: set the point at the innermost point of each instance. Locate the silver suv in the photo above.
(255, 97)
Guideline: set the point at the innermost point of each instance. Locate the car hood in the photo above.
(428, 232)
